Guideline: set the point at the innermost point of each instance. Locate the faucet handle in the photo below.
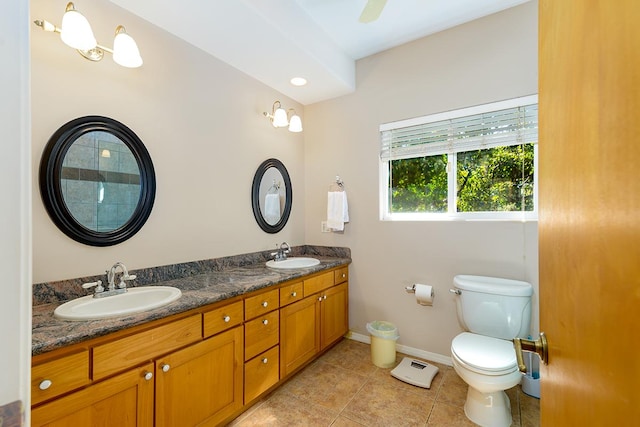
(124, 277)
(97, 284)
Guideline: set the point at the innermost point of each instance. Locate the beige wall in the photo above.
(201, 121)
(487, 60)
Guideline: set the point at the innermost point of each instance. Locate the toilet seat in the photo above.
(484, 355)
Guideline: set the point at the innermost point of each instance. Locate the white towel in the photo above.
(272, 208)
(337, 210)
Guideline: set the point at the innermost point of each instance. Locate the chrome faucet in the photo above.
(281, 253)
(111, 279)
(111, 276)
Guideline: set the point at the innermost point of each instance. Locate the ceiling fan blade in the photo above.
(372, 10)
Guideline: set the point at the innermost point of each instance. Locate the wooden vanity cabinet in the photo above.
(188, 380)
(309, 326)
(199, 368)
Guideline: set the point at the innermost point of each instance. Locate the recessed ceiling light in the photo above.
(298, 81)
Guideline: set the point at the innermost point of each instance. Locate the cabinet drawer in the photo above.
(261, 373)
(260, 334)
(216, 321)
(129, 351)
(58, 376)
(259, 304)
(341, 275)
(290, 293)
(318, 283)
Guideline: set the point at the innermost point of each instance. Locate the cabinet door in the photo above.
(334, 314)
(124, 400)
(201, 384)
(299, 333)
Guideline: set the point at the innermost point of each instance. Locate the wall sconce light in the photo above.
(281, 118)
(76, 33)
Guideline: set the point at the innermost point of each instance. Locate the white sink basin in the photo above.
(135, 300)
(297, 262)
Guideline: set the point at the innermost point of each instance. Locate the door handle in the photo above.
(539, 346)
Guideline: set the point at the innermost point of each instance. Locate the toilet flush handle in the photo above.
(539, 346)
(455, 291)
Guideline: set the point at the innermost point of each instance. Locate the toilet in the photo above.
(492, 311)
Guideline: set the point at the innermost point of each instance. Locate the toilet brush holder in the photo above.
(531, 380)
(531, 385)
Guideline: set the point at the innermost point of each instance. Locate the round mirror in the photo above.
(97, 181)
(271, 195)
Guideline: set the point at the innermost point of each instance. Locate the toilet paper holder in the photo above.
(410, 289)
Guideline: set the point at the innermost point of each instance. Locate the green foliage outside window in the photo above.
(419, 184)
(490, 180)
(495, 180)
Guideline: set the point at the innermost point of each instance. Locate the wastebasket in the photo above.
(383, 343)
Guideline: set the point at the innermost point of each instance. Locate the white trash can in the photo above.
(383, 343)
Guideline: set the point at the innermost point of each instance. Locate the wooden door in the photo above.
(334, 318)
(589, 219)
(125, 400)
(201, 384)
(299, 333)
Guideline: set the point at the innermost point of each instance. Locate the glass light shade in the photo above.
(76, 31)
(295, 124)
(125, 49)
(280, 118)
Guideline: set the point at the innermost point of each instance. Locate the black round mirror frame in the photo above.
(255, 196)
(51, 189)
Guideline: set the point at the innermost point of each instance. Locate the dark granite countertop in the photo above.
(198, 289)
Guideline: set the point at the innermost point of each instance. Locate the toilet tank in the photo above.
(495, 307)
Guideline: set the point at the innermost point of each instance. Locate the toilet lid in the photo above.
(484, 354)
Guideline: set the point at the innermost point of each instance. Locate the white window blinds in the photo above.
(487, 126)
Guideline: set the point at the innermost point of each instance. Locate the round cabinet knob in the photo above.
(344, 275)
(320, 299)
(265, 360)
(265, 304)
(324, 297)
(148, 376)
(294, 294)
(165, 368)
(44, 384)
(265, 322)
(226, 319)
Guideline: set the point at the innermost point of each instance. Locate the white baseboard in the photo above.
(411, 351)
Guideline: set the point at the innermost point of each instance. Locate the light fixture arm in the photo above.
(47, 26)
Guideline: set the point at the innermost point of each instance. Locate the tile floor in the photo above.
(344, 389)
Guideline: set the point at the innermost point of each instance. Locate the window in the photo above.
(474, 163)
